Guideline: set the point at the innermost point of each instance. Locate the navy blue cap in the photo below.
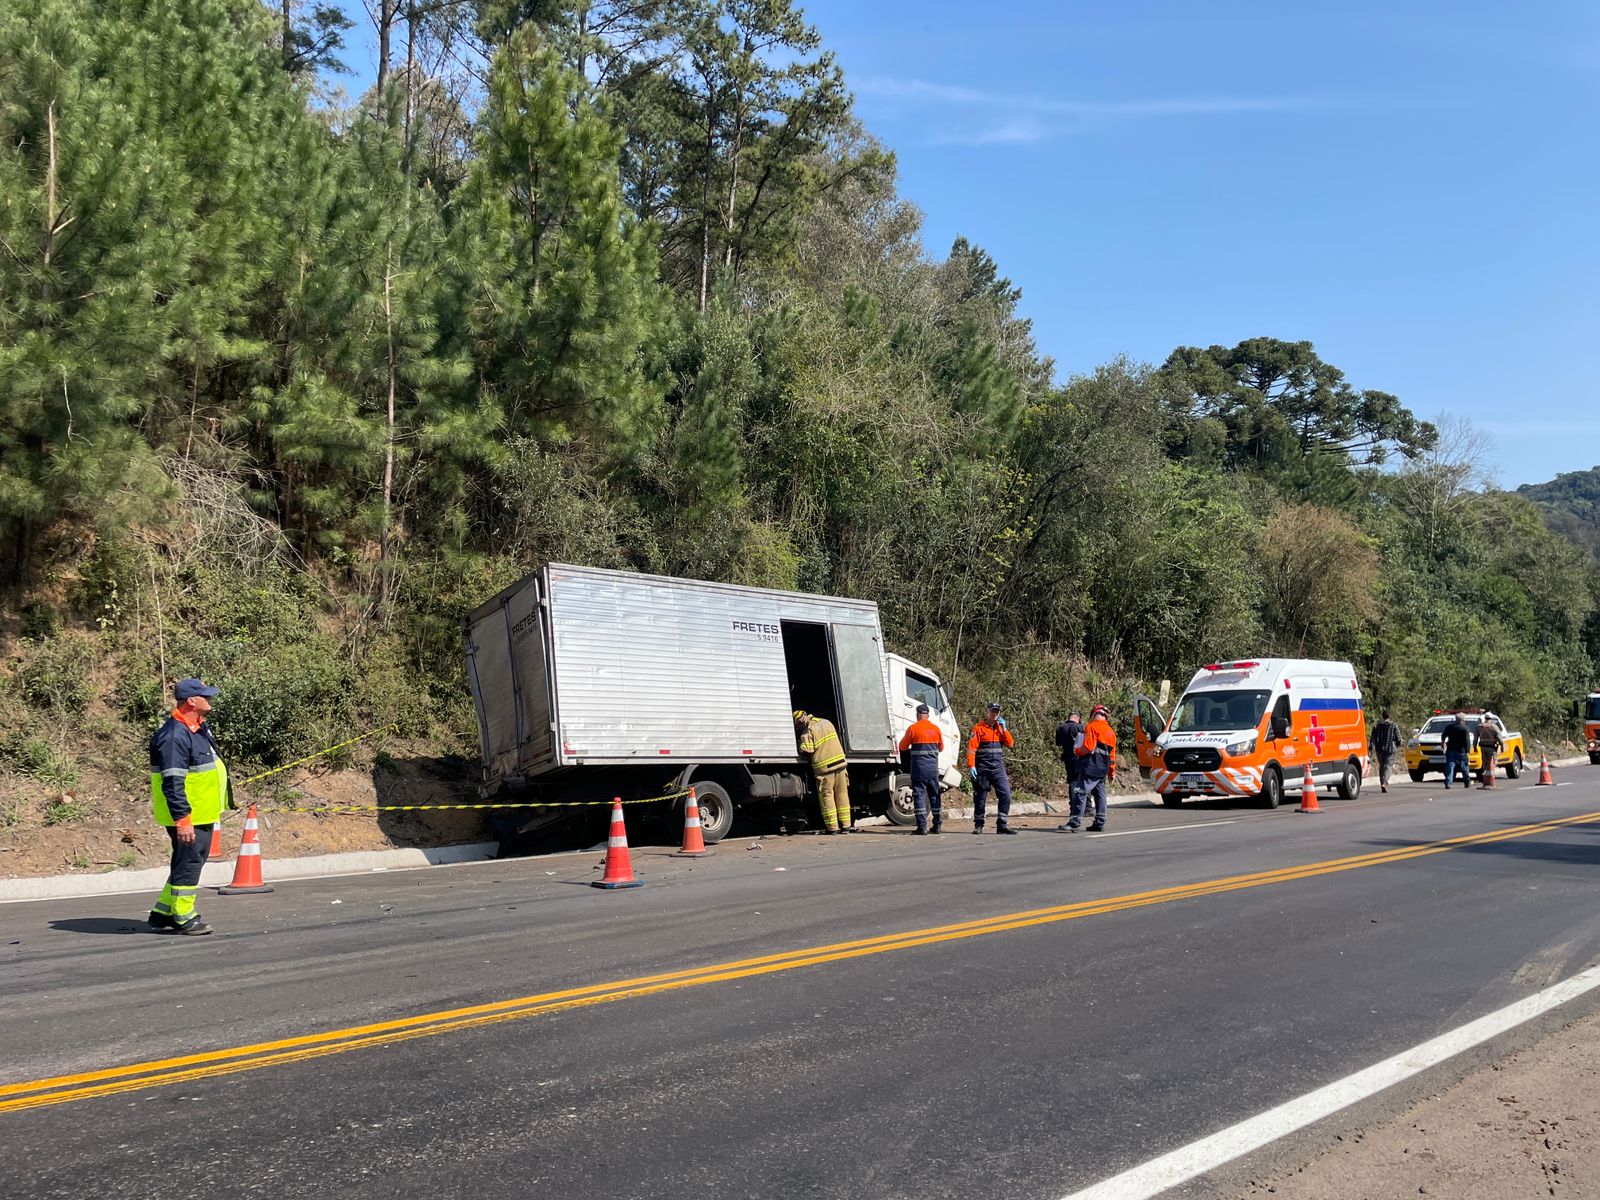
(188, 689)
(994, 706)
(922, 708)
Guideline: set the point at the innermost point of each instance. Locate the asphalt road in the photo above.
(1124, 1014)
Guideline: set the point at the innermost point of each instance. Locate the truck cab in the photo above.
(1591, 727)
(911, 684)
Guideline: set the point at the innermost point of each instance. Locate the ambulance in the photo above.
(1591, 726)
(1249, 728)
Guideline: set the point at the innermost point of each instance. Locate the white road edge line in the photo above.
(1183, 1164)
(1528, 787)
(1167, 829)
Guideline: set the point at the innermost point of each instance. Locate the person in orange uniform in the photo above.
(1097, 763)
(923, 742)
(986, 763)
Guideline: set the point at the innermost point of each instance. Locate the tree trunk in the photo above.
(705, 201)
(288, 38)
(733, 184)
(411, 83)
(387, 10)
(388, 445)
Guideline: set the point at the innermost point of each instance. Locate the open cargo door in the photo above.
(507, 670)
(1147, 724)
(862, 689)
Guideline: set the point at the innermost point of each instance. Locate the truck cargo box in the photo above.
(577, 666)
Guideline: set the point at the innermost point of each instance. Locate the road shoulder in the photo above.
(1528, 1125)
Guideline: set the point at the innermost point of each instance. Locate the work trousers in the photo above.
(833, 797)
(1489, 767)
(925, 790)
(1385, 766)
(991, 775)
(1087, 790)
(1456, 764)
(183, 878)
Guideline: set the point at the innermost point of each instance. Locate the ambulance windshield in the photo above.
(1219, 711)
(1594, 709)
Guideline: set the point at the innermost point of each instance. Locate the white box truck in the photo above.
(592, 683)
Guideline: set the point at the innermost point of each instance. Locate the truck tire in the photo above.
(1171, 801)
(1514, 767)
(1271, 794)
(1417, 776)
(716, 810)
(1350, 781)
(902, 808)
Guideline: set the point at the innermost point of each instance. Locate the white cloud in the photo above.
(1036, 118)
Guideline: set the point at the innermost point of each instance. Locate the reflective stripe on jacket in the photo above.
(821, 741)
(187, 775)
(924, 740)
(988, 743)
(1099, 750)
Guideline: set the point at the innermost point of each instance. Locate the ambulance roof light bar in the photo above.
(1232, 666)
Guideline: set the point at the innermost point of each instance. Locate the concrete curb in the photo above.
(215, 874)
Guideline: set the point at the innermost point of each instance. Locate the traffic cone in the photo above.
(694, 842)
(247, 867)
(619, 867)
(1308, 794)
(1544, 771)
(216, 841)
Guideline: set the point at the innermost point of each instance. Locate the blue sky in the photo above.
(1415, 187)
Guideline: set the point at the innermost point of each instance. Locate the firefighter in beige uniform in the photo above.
(819, 741)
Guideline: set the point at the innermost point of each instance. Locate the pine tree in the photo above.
(563, 300)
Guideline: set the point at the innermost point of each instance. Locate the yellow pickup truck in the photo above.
(1425, 752)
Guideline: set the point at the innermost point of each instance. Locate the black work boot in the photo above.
(163, 921)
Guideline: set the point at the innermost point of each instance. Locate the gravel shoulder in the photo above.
(1527, 1126)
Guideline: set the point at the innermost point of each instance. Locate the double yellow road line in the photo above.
(36, 1093)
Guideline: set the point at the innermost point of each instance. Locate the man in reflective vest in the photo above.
(1097, 764)
(188, 787)
(819, 741)
(923, 743)
(986, 762)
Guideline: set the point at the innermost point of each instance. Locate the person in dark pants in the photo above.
(1386, 741)
(986, 762)
(1097, 766)
(1457, 742)
(1489, 747)
(1068, 735)
(188, 786)
(922, 743)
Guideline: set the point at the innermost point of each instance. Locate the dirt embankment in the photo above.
(1528, 1126)
(103, 823)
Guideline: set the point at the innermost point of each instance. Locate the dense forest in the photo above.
(288, 384)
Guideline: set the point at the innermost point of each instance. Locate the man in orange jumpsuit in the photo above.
(923, 742)
(1097, 763)
(986, 763)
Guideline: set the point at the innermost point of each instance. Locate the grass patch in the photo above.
(64, 812)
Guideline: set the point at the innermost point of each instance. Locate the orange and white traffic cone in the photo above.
(694, 842)
(619, 867)
(1544, 771)
(216, 842)
(247, 867)
(1308, 794)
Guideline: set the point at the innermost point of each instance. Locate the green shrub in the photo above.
(38, 759)
(54, 674)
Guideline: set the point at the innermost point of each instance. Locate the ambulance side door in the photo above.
(1148, 723)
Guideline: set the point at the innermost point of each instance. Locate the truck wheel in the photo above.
(1514, 768)
(1271, 787)
(1350, 782)
(1594, 760)
(1417, 776)
(1171, 801)
(716, 811)
(902, 808)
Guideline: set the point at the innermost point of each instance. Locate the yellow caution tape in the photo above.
(358, 809)
(319, 753)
